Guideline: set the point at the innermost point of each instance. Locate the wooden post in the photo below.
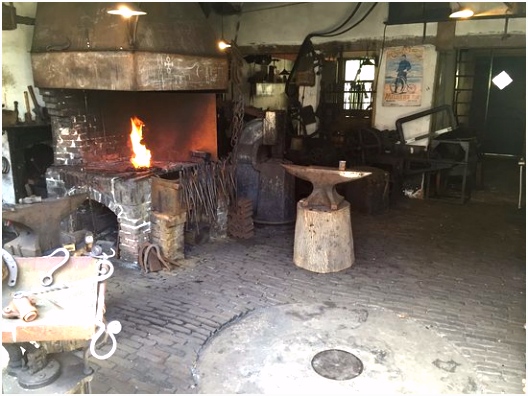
(323, 239)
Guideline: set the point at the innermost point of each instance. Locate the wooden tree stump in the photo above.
(323, 238)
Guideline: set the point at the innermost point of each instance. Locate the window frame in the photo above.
(361, 98)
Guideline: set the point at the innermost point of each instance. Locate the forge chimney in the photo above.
(79, 45)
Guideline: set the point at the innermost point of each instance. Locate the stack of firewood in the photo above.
(240, 219)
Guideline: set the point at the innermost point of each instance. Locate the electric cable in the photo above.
(307, 49)
(273, 7)
(340, 26)
(351, 27)
(330, 33)
(305, 42)
(380, 58)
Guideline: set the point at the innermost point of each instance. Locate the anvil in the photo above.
(324, 180)
(44, 217)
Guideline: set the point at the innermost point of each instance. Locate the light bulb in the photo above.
(222, 44)
(126, 11)
(464, 13)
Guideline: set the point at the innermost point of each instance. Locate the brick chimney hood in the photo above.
(79, 45)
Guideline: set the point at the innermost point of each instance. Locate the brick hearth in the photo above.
(128, 195)
(92, 154)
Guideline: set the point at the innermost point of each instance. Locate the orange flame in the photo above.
(141, 156)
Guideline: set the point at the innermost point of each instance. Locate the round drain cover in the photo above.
(337, 365)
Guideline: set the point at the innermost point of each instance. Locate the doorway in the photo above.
(499, 114)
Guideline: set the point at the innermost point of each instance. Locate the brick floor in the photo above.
(456, 269)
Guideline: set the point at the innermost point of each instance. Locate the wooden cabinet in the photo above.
(26, 153)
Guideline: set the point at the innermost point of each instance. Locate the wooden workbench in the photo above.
(74, 320)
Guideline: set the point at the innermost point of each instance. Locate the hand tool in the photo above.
(106, 269)
(48, 278)
(16, 111)
(27, 114)
(38, 110)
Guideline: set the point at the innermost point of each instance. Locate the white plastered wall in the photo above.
(17, 74)
(290, 25)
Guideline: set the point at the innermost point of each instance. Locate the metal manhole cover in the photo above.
(337, 365)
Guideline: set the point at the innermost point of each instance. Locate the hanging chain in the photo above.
(237, 122)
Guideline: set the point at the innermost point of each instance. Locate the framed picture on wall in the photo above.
(403, 76)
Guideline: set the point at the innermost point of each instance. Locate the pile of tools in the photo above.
(203, 187)
(11, 117)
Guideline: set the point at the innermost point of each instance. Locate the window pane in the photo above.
(358, 84)
(367, 72)
(351, 68)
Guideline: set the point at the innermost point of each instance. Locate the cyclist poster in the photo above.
(403, 76)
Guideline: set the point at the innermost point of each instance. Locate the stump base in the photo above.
(323, 239)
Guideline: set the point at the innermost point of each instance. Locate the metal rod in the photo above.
(505, 35)
(490, 76)
(521, 164)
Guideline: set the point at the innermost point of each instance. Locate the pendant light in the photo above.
(126, 10)
(367, 61)
(131, 13)
(223, 44)
(284, 72)
(461, 12)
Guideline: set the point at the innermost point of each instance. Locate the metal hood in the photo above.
(80, 46)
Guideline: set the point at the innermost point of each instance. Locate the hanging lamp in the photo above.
(126, 10)
(284, 72)
(461, 12)
(223, 44)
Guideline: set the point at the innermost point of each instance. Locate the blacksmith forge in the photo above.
(96, 71)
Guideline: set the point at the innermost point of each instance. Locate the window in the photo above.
(358, 84)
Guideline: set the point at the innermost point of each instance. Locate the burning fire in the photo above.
(141, 156)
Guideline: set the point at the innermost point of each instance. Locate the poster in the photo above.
(403, 76)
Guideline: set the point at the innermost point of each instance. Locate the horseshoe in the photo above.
(13, 268)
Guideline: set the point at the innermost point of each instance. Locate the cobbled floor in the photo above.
(458, 270)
